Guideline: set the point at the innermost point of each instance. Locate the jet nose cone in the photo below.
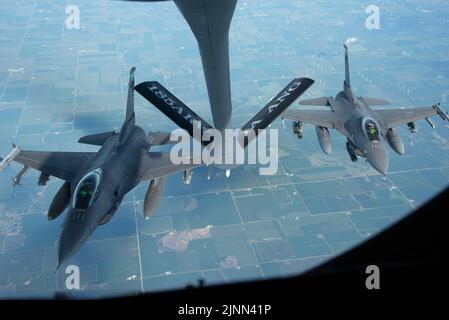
(379, 161)
(72, 237)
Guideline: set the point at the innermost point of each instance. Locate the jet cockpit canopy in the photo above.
(371, 129)
(86, 190)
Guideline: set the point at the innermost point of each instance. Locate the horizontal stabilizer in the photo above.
(321, 101)
(321, 118)
(172, 107)
(96, 139)
(159, 138)
(374, 101)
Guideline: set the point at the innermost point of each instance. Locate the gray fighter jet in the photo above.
(96, 182)
(366, 129)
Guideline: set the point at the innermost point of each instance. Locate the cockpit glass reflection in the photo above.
(86, 190)
(371, 129)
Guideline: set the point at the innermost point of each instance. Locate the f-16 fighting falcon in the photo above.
(95, 183)
(366, 129)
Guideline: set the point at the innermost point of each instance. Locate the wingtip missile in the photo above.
(16, 180)
(10, 157)
(430, 122)
(443, 114)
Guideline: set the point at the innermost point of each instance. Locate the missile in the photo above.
(187, 178)
(430, 122)
(19, 176)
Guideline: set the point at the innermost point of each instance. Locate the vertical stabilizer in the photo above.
(130, 101)
(347, 84)
(128, 124)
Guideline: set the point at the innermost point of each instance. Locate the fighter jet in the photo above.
(96, 182)
(366, 129)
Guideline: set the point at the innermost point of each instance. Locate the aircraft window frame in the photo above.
(96, 176)
(372, 136)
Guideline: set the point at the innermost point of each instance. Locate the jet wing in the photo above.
(159, 164)
(323, 118)
(63, 165)
(396, 117)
